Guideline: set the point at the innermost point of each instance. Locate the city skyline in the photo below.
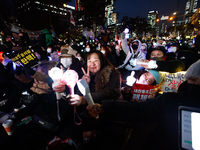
(133, 8)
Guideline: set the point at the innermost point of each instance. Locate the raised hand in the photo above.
(86, 76)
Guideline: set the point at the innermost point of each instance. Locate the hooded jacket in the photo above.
(131, 56)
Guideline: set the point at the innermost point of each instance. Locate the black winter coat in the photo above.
(105, 84)
(162, 109)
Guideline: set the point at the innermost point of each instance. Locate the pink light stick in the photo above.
(70, 78)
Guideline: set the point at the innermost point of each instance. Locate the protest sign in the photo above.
(25, 58)
(141, 92)
(171, 81)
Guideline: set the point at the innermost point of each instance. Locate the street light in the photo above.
(171, 18)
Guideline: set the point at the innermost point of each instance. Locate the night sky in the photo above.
(134, 8)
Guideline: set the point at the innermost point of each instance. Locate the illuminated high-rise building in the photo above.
(152, 17)
(78, 5)
(112, 18)
(190, 8)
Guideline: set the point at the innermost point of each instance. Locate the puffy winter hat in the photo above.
(160, 48)
(66, 52)
(193, 70)
(157, 76)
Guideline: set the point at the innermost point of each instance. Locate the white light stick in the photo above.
(130, 79)
(126, 30)
(150, 64)
(56, 74)
(85, 90)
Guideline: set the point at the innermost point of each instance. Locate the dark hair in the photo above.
(104, 61)
(107, 49)
(42, 53)
(160, 48)
(141, 73)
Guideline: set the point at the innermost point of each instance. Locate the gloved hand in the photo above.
(123, 35)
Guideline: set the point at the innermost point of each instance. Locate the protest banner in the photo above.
(171, 81)
(25, 58)
(141, 92)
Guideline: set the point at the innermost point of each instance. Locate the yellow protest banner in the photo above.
(25, 58)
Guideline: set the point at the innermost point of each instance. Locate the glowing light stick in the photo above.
(70, 77)
(56, 74)
(126, 30)
(85, 90)
(150, 64)
(130, 79)
(14, 67)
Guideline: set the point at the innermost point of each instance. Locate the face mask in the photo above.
(172, 49)
(157, 58)
(48, 50)
(66, 62)
(79, 58)
(154, 44)
(87, 49)
(134, 46)
(103, 52)
(5, 61)
(190, 44)
(116, 47)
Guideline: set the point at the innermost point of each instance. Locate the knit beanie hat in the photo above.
(193, 70)
(160, 48)
(157, 76)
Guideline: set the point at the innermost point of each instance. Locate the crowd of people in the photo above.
(119, 119)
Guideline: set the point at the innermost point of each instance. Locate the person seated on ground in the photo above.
(104, 83)
(146, 80)
(163, 64)
(107, 53)
(186, 56)
(132, 52)
(10, 89)
(39, 53)
(144, 49)
(39, 88)
(68, 61)
(163, 109)
(101, 76)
